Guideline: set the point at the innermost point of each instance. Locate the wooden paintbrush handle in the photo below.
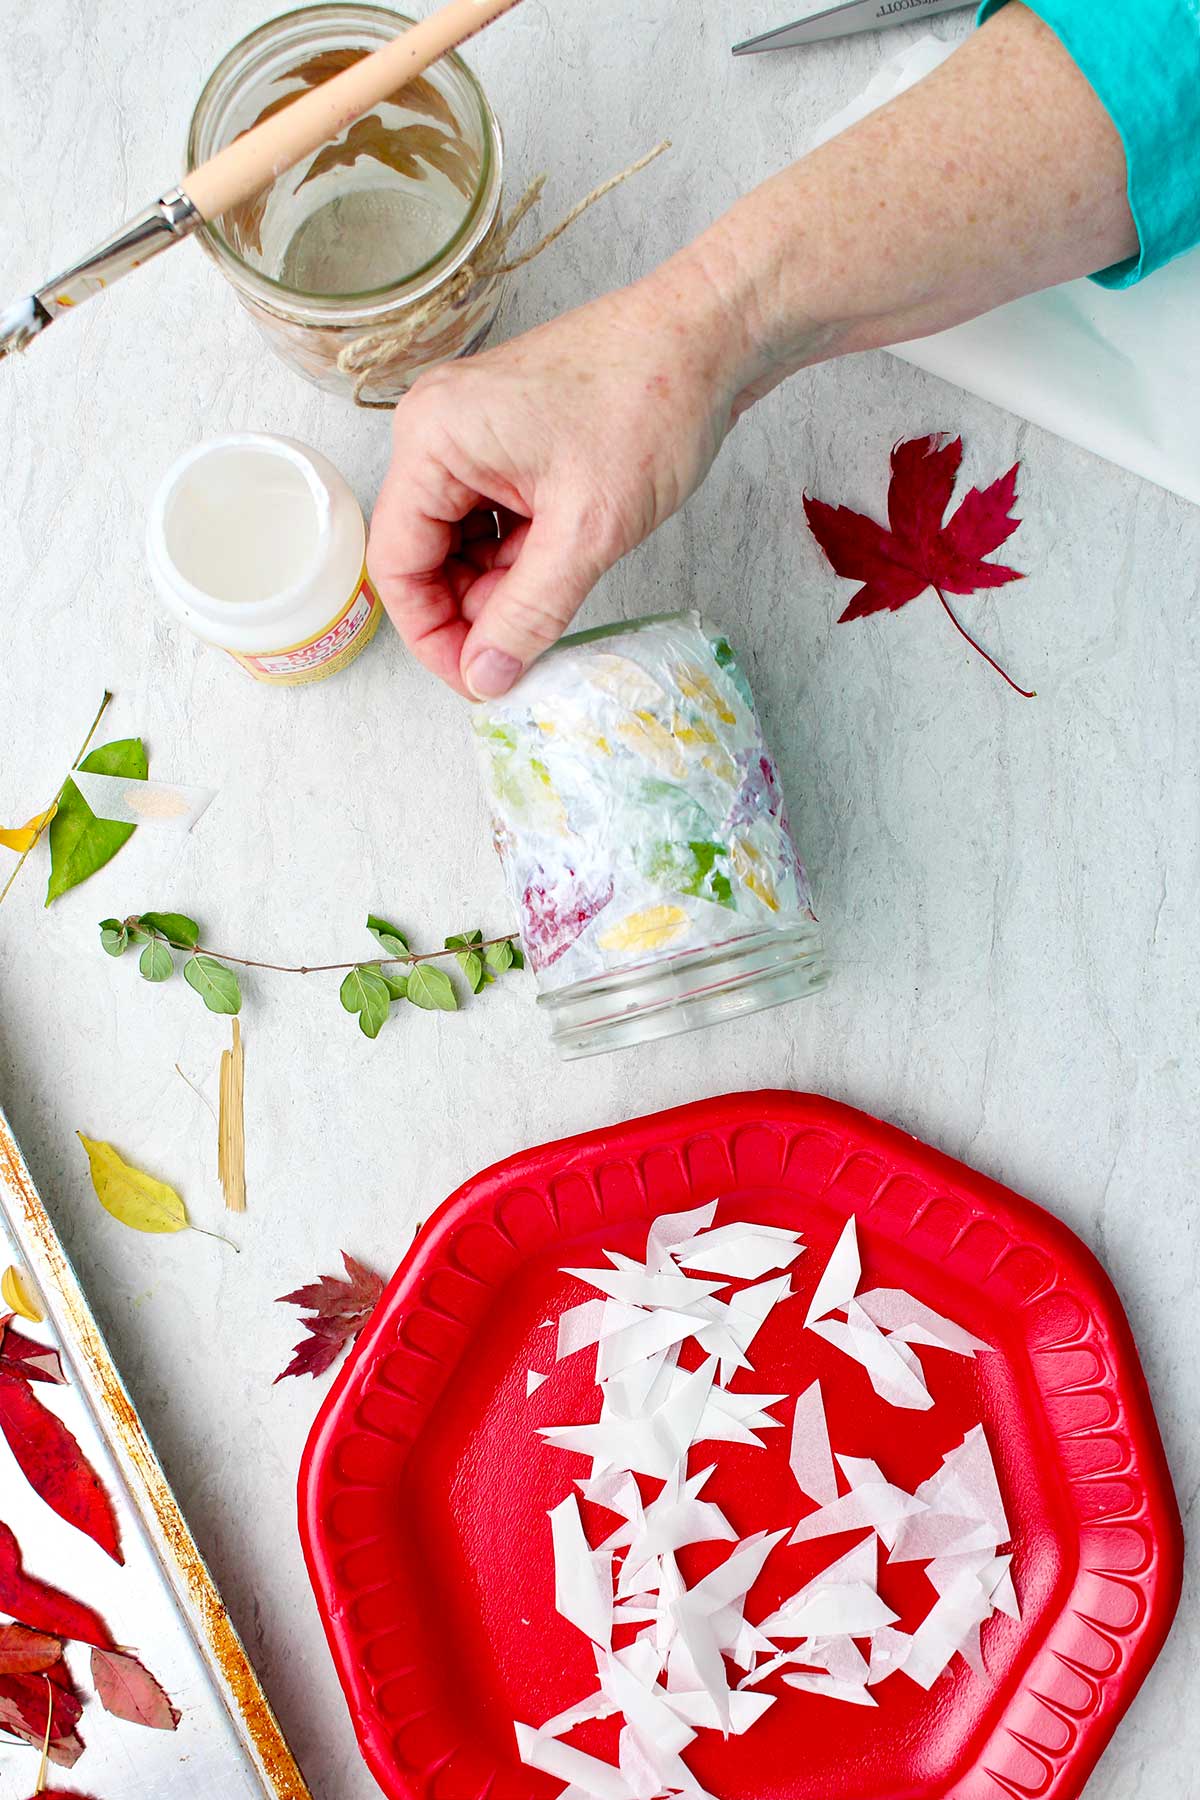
(252, 162)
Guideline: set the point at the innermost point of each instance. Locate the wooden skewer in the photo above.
(231, 1125)
(259, 157)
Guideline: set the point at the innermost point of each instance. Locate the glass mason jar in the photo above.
(366, 230)
(644, 837)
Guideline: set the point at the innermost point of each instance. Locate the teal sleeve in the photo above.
(1143, 59)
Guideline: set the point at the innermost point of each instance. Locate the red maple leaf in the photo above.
(915, 550)
(341, 1307)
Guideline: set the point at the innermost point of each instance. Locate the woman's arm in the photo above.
(999, 174)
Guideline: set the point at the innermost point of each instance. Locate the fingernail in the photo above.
(491, 674)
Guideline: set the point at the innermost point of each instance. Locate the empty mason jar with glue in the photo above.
(257, 544)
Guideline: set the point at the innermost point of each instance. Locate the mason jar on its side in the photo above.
(644, 837)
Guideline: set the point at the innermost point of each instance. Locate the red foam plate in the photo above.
(424, 1488)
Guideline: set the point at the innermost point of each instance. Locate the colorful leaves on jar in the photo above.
(555, 914)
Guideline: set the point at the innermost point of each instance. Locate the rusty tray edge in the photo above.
(150, 1493)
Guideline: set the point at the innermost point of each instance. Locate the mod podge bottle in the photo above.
(257, 544)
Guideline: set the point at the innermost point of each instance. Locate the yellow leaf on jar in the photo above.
(23, 837)
(693, 731)
(697, 686)
(748, 866)
(624, 680)
(650, 738)
(718, 764)
(647, 930)
(15, 1292)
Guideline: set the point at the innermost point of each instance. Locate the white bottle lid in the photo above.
(257, 544)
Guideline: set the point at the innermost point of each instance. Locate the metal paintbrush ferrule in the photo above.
(152, 231)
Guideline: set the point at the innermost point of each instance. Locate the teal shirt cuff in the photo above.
(1143, 59)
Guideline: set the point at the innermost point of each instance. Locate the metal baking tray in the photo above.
(163, 1603)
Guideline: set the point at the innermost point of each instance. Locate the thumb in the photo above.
(528, 609)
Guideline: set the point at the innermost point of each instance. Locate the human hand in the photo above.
(519, 476)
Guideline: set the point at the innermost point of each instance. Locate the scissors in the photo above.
(839, 21)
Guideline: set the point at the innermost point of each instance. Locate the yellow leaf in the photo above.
(651, 739)
(647, 930)
(748, 866)
(696, 685)
(14, 1290)
(136, 1199)
(23, 837)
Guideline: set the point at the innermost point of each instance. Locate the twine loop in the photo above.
(374, 352)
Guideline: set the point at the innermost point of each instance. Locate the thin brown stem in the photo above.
(44, 1765)
(250, 962)
(37, 838)
(1025, 693)
(200, 1096)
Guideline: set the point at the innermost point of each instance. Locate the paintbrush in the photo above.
(251, 163)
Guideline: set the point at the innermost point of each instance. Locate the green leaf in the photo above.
(156, 962)
(80, 843)
(114, 937)
(395, 983)
(472, 967)
(365, 992)
(500, 956)
(431, 989)
(464, 941)
(518, 955)
(176, 926)
(392, 939)
(216, 985)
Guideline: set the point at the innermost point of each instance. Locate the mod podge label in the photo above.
(326, 653)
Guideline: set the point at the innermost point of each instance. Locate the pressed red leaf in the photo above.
(26, 1652)
(25, 1701)
(54, 1465)
(920, 551)
(341, 1307)
(44, 1608)
(924, 471)
(129, 1691)
(25, 1357)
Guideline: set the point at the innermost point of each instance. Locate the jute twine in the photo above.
(375, 352)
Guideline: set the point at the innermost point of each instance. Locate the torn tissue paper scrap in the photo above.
(836, 1638)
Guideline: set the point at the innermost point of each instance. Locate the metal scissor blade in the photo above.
(840, 21)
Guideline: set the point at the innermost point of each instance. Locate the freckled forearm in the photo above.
(999, 174)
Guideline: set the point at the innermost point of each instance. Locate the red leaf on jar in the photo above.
(44, 1608)
(129, 1691)
(25, 1357)
(552, 918)
(341, 1308)
(26, 1652)
(54, 1465)
(916, 550)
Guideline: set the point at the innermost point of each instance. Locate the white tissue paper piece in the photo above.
(1116, 372)
(881, 1326)
(811, 1458)
(533, 1381)
(131, 802)
(835, 1638)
